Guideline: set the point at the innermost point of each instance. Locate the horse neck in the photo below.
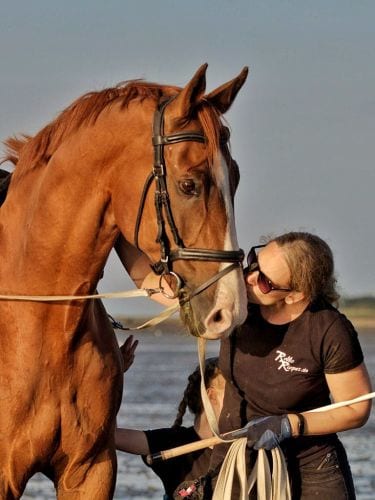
(57, 229)
(58, 219)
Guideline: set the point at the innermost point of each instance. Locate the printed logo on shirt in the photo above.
(286, 362)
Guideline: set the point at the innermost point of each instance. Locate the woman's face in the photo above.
(273, 265)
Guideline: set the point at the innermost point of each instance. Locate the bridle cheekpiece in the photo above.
(162, 206)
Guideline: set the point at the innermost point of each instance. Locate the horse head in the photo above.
(185, 220)
(153, 163)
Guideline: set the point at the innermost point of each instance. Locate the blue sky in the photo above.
(302, 127)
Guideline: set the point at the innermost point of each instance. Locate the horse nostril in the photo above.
(218, 323)
(217, 316)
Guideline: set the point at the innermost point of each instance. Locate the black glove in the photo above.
(268, 432)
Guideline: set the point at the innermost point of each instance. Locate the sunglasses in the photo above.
(265, 285)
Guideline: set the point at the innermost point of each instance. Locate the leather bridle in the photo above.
(162, 206)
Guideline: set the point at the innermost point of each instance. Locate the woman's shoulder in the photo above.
(324, 311)
(324, 317)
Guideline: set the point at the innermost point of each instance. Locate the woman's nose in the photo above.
(251, 278)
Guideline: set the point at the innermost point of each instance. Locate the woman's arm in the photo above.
(131, 441)
(137, 265)
(343, 386)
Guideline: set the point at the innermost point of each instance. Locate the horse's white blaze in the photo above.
(231, 292)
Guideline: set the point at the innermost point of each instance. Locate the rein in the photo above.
(164, 216)
(143, 292)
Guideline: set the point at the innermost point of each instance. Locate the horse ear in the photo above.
(191, 93)
(223, 97)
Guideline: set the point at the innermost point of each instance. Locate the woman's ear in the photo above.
(294, 297)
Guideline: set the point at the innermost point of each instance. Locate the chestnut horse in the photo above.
(141, 166)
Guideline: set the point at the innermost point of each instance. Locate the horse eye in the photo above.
(188, 187)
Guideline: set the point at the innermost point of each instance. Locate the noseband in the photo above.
(162, 206)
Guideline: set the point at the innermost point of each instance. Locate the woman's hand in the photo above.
(268, 432)
(127, 350)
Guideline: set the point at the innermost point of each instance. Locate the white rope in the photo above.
(234, 461)
(263, 477)
(157, 319)
(340, 404)
(142, 292)
(273, 486)
(209, 411)
(280, 478)
(269, 486)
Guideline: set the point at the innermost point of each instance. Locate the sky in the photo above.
(302, 126)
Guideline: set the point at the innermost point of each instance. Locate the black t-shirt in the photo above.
(277, 369)
(174, 471)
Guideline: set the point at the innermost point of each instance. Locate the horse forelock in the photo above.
(218, 145)
(211, 125)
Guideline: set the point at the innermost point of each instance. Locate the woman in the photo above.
(175, 471)
(294, 352)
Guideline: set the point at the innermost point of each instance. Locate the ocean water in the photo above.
(153, 388)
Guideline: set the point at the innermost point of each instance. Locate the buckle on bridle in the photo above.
(176, 293)
(158, 170)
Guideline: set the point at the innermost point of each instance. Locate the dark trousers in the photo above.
(327, 477)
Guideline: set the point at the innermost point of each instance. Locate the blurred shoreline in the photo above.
(361, 317)
(359, 310)
(174, 325)
(363, 323)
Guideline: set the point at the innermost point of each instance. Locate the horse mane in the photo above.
(29, 152)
